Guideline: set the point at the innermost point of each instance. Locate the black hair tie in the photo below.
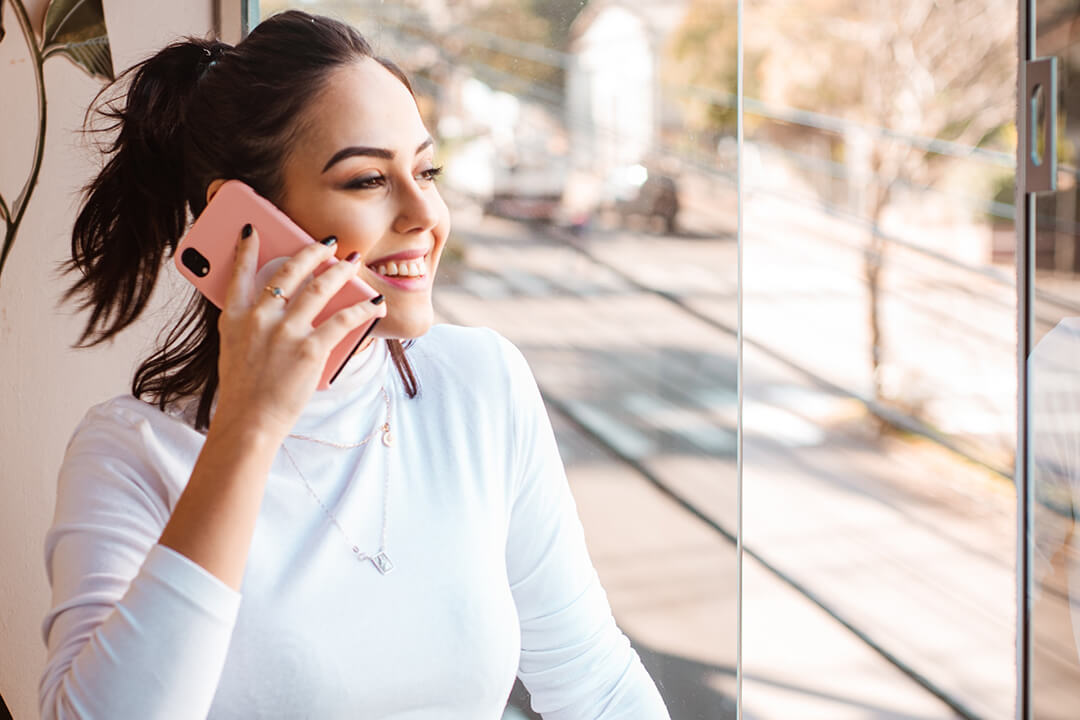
(211, 57)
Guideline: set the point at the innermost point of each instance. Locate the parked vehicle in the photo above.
(658, 197)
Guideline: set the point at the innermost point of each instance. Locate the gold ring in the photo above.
(276, 292)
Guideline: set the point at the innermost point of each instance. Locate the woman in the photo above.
(232, 543)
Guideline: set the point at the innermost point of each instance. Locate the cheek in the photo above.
(320, 218)
(358, 229)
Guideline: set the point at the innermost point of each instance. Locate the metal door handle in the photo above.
(1040, 77)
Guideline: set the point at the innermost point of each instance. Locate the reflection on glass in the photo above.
(590, 169)
(1054, 395)
(879, 359)
(1054, 369)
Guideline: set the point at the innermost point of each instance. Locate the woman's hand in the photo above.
(271, 358)
(270, 362)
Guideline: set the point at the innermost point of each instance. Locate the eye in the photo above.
(431, 174)
(367, 182)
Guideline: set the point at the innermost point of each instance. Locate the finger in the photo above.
(240, 292)
(297, 269)
(332, 330)
(312, 298)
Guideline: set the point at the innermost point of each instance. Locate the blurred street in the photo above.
(591, 151)
(895, 537)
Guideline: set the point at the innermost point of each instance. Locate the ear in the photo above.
(212, 189)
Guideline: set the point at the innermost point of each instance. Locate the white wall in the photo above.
(45, 387)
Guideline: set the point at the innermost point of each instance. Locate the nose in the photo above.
(417, 208)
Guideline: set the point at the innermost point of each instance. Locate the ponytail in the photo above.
(196, 111)
(135, 209)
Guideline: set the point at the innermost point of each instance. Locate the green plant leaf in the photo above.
(76, 28)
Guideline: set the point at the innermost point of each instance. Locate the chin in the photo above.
(405, 328)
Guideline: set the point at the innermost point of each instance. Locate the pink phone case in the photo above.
(205, 257)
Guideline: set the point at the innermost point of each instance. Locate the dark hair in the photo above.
(196, 111)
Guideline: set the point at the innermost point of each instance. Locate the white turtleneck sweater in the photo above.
(491, 577)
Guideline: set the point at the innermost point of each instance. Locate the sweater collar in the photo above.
(356, 387)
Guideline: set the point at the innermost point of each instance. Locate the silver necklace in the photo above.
(381, 558)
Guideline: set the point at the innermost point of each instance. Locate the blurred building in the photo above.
(613, 88)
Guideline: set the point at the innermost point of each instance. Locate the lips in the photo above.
(406, 255)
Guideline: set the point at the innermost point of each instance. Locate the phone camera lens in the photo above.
(194, 261)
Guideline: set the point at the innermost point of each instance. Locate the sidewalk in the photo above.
(858, 519)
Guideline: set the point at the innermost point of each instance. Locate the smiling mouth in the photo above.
(401, 269)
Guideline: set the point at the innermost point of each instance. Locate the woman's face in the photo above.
(363, 169)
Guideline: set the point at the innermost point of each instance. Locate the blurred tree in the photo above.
(943, 69)
(895, 69)
(702, 55)
(517, 42)
(514, 45)
(512, 28)
(561, 15)
(518, 31)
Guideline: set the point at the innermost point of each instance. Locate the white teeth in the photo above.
(413, 268)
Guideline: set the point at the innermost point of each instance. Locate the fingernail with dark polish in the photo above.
(377, 300)
(329, 240)
(246, 232)
(352, 257)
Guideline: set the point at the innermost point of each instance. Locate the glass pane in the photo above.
(590, 170)
(1054, 394)
(879, 359)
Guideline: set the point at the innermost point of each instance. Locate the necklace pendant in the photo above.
(387, 438)
(382, 563)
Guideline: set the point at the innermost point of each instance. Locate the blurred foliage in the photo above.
(514, 20)
(560, 15)
(700, 66)
(543, 23)
(506, 41)
(937, 68)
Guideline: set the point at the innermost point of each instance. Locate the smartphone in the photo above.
(206, 254)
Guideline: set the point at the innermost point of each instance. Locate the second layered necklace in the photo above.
(381, 557)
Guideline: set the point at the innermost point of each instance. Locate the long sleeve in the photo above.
(136, 630)
(575, 662)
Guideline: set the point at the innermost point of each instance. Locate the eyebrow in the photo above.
(355, 151)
